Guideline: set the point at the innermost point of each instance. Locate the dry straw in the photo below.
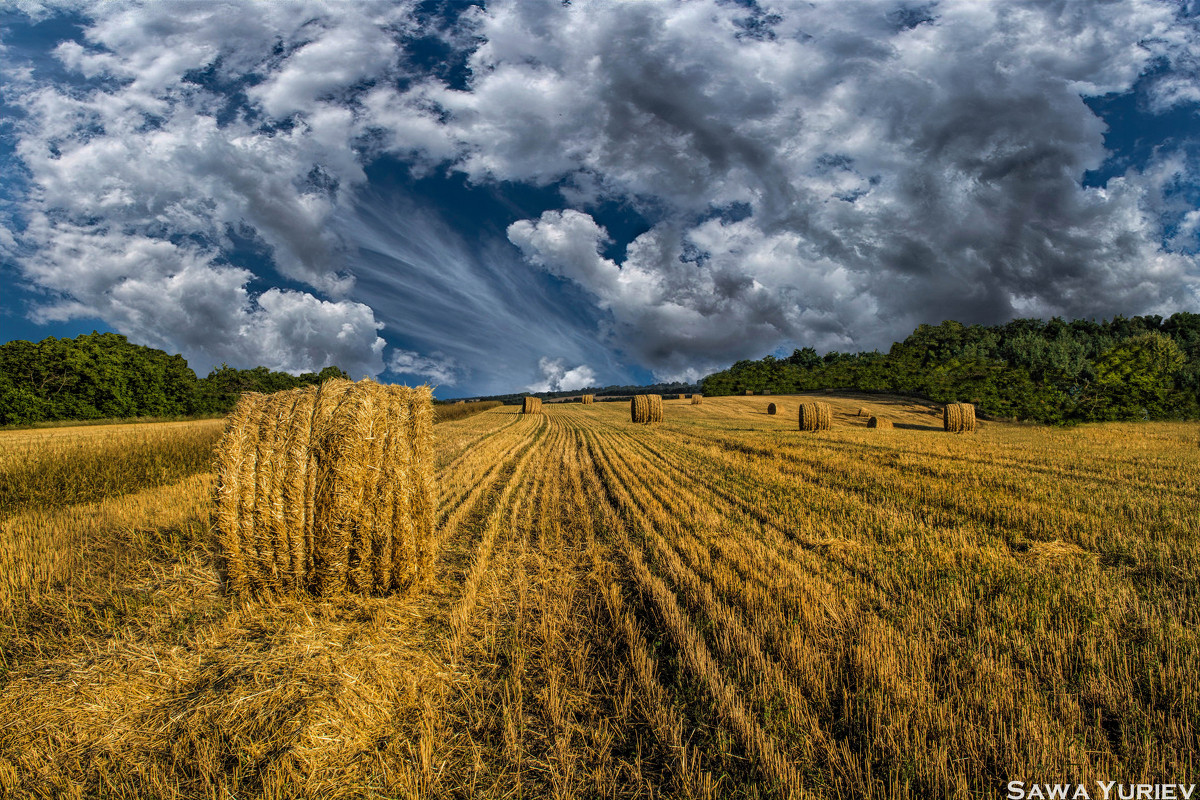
(878, 422)
(749, 392)
(697, 399)
(321, 490)
(771, 408)
(533, 405)
(959, 417)
(646, 408)
(815, 416)
(862, 412)
(587, 399)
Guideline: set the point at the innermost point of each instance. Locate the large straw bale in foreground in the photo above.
(959, 417)
(323, 489)
(879, 422)
(646, 408)
(815, 416)
(697, 399)
(587, 399)
(532, 405)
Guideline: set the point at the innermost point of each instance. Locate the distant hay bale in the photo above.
(587, 399)
(460, 402)
(959, 417)
(749, 392)
(697, 399)
(646, 408)
(326, 489)
(766, 392)
(533, 405)
(862, 412)
(815, 417)
(771, 408)
(879, 422)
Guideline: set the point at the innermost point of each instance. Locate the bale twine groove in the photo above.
(646, 408)
(879, 422)
(532, 405)
(326, 489)
(815, 416)
(959, 417)
(771, 408)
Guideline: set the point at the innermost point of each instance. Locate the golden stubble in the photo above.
(718, 605)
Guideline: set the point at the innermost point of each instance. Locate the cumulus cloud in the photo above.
(179, 297)
(196, 123)
(688, 302)
(828, 173)
(557, 378)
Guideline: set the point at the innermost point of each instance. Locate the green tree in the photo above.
(1135, 377)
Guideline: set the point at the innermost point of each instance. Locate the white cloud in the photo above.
(439, 370)
(557, 378)
(180, 298)
(836, 180)
(142, 169)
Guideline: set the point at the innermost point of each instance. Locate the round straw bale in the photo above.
(879, 422)
(697, 399)
(815, 416)
(959, 417)
(748, 392)
(646, 408)
(771, 408)
(587, 399)
(862, 412)
(532, 405)
(322, 489)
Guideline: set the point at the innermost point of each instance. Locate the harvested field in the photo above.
(714, 606)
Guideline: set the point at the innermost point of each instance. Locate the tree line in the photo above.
(103, 376)
(1057, 372)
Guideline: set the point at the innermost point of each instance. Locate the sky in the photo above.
(547, 195)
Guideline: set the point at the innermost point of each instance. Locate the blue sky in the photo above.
(543, 195)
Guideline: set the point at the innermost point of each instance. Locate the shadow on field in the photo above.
(911, 426)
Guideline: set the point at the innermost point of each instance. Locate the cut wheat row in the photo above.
(740, 647)
(700, 660)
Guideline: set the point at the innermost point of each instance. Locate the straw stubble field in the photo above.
(719, 605)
